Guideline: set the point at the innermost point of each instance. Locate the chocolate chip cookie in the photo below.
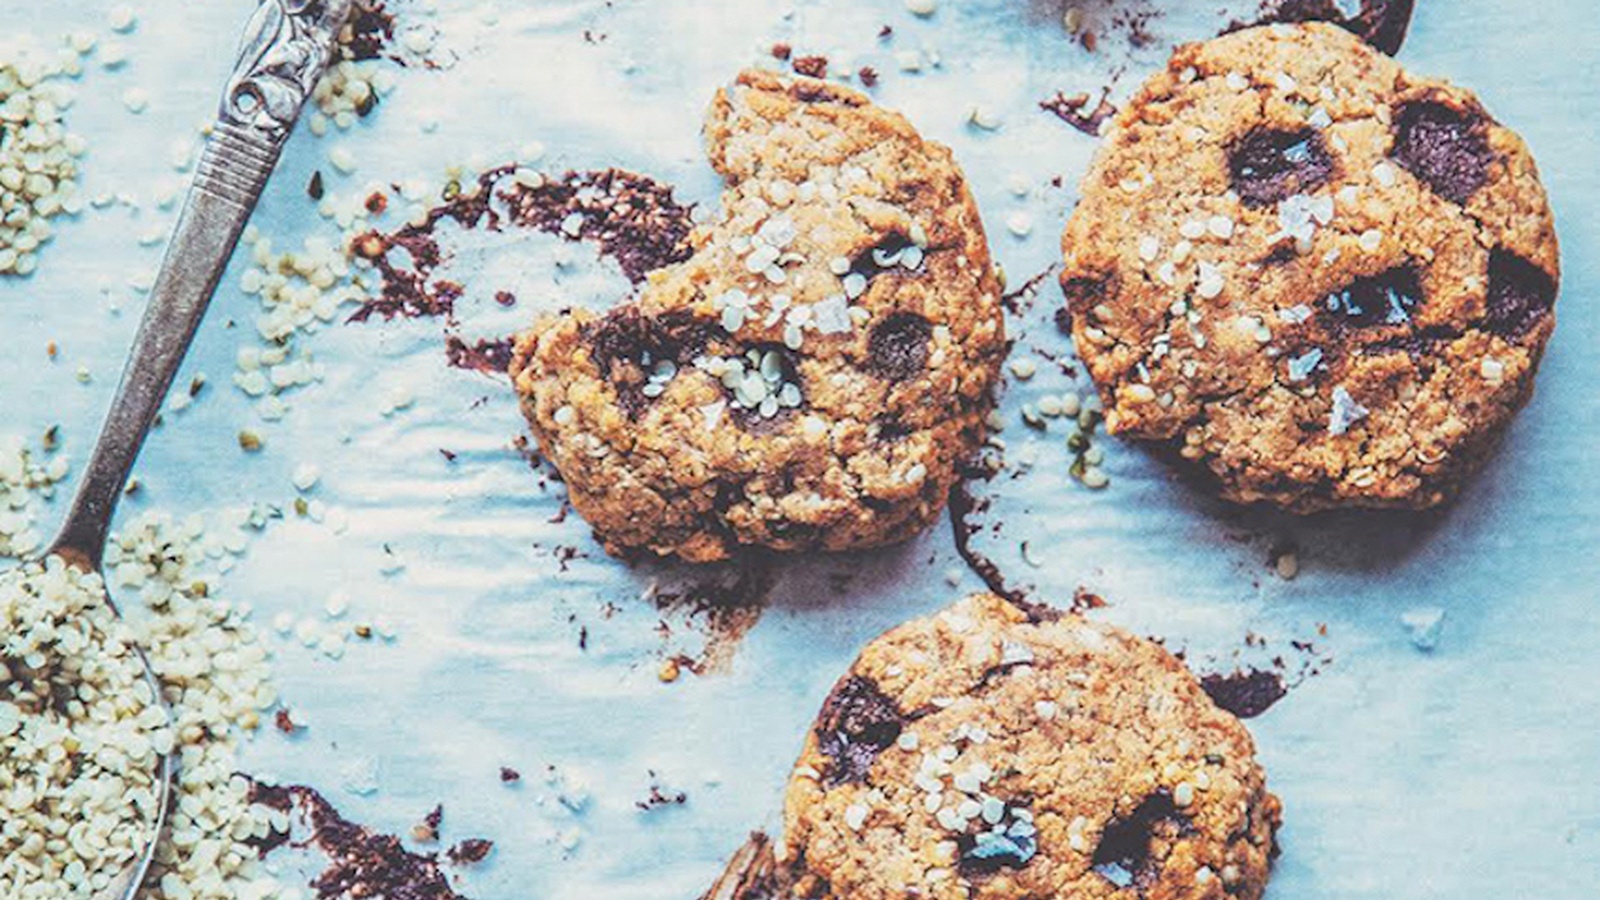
(814, 375)
(1326, 281)
(1000, 753)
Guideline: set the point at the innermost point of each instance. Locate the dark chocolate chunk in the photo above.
(1123, 855)
(898, 346)
(882, 256)
(1447, 148)
(1008, 844)
(858, 722)
(1381, 23)
(628, 345)
(1246, 694)
(1270, 165)
(1388, 298)
(1520, 294)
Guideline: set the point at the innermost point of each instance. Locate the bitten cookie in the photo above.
(981, 753)
(813, 377)
(1327, 281)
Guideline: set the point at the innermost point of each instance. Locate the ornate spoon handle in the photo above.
(286, 46)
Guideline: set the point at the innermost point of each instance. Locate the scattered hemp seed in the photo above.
(121, 18)
(38, 158)
(1424, 625)
(249, 441)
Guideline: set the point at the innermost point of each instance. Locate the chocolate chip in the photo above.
(882, 256)
(1123, 855)
(858, 722)
(1447, 148)
(1520, 294)
(1388, 298)
(1083, 293)
(1270, 165)
(897, 349)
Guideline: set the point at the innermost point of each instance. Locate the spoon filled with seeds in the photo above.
(87, 741)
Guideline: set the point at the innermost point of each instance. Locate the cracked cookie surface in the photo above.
(814, 375)
(1323, 279)
(991, 752)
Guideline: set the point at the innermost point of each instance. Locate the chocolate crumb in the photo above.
(283, 722)
(509, 775)
(470, 852)
(492, 357)
(1071, 111)
(812, 66)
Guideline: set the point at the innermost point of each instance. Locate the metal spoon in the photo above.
(285, 48)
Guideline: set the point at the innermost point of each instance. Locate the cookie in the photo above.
(995, 753)
(1327, 282)
(814, 375)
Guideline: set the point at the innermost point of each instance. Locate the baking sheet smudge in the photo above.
(359, 861)
(633, 219)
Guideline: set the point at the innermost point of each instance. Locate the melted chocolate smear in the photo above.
(1386, 299)
(858, 722)
(1447, 148)
(897, 349)
(1520, 294)
(1246, 693)
(361, 863)
(633, 218)
(1270, 165)
(1123, 856)
(724, 610)
(962, 505)
(1381, 23)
